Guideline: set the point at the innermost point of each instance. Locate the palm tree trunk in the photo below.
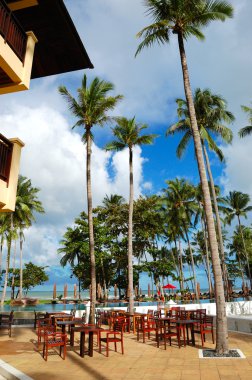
(207, 258)
(14, 271)
(221, 319)
(181, 264)
(91, 231)
(130, 230)
(245, 250)
(21, 267)
(240, 266)
(218, 223)
(193, 266)
(9, 241)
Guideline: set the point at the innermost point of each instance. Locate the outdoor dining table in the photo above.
(60, 315)
(71, 324)
(188, 323)
(134, 317)
(83, 330)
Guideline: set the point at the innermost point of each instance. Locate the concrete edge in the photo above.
(242, 356)
(11, 373)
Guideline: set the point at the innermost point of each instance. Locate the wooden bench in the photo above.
(6, 321)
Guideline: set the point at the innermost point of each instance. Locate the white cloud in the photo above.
(54, 159)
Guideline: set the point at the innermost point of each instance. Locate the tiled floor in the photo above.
(140, 361)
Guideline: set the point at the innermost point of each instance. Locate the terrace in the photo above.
(140, 361)
(10, 151)
(46, 24)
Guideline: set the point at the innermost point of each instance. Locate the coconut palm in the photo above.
(27, 203)
(238, 206)
(186, 18)
(246, 131)
(128, 134)
(91, 109)
(211, 112)
(180, 203)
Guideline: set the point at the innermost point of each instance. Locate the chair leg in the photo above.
(122, 347)
(107, 348)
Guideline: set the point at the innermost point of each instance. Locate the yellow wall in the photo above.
(19, 73)
(8, 194)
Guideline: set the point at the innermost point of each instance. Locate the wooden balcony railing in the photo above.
(12, 32)
(5, 158)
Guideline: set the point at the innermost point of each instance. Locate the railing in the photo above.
(5, 158)
(12, 32)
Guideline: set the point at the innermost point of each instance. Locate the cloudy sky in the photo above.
(54, 157)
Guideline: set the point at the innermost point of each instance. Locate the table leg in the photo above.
(82, 343)
(192, 332)
(91, 343)
(72, 337)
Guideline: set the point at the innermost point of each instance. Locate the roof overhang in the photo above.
(59, 48)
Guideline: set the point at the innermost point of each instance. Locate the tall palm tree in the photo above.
(91, 109)
(185, 18)
(246, 131)
(128, 134)
(27, 204)
(238, 206)
(211, 112)
(180, 203)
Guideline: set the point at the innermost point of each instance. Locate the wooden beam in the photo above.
(20, 4)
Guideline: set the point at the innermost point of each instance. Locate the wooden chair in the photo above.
(113, 336)
(6, 321)
(44, 325)
(165, 331)
(55, 339)
(144, 326)
(205, 326)
(37, 316)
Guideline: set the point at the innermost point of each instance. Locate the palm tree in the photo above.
(128, 134)
(246, 131)
(27, 203)
(185, 19)
(72, 243)
(211, 112)
(91, 109)
(181, 205)
(237, 206)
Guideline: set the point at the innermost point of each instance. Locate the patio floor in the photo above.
(140, 361)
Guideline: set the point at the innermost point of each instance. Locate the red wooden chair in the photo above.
(165, 331)
(144, 326)
(205, 326)
(113, 336)
(55, 339)
(44, 325)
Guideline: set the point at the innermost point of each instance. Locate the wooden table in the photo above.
(90, 330)
(188, 323)
(72, 323)
(134, 316)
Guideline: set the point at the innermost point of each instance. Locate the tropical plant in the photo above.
(179, 202)
(237, 205)
(27, 204)
(185, 19)
(91, 109)
(246, 131)
(211, 112)
(128, 134)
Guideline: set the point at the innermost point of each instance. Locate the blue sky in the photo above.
(54, 156)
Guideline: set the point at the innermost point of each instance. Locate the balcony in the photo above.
(10, 151)
(16, 52)
(6, 148)
(12, 32)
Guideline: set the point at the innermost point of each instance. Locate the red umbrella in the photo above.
(169, 286)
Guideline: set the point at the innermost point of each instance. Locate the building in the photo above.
(37, 39)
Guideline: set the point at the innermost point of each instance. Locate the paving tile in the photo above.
(140, 361)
